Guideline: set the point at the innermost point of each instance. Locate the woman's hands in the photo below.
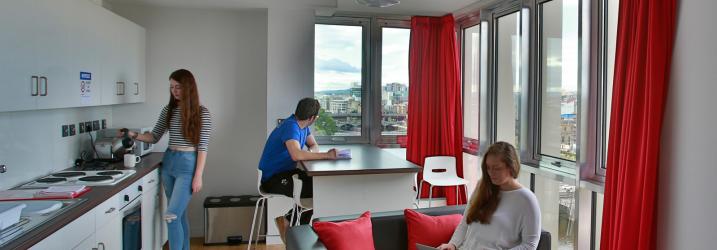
(196, 184)
(447, 246)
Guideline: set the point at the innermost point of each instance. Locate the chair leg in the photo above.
(465, 188)
(261, 219)
(253, 222)
(293, 213)
(298, 216)
(430, 194)
(418, 199)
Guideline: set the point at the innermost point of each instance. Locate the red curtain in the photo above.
(645, 36)
(435, 125)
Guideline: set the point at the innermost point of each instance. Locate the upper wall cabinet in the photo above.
(71, 53)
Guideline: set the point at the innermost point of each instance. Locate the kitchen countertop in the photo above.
(365, 159)
(95, 196)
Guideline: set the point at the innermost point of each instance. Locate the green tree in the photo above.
(325, 124)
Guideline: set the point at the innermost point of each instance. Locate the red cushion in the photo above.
(430, 230)
(354, 234)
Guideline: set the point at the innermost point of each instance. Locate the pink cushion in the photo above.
(430, 230)
(347, 235)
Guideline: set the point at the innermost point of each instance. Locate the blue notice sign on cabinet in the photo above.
(85, 88)
(85, 76)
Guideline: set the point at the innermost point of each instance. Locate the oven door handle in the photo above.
(132, 206)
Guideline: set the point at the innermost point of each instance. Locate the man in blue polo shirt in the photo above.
(284, 148)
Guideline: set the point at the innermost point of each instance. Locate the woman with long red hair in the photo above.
(502, 214)
(189, 125)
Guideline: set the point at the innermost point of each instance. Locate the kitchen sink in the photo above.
(39, 213)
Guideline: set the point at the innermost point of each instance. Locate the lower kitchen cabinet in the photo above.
(102, 227)
(109, 236)
(151, 216)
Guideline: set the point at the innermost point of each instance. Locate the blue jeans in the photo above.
(177, 174)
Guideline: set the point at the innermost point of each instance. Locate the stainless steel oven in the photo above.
(132, 220)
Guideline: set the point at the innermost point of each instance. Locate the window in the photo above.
(394, 81)
(361, 80)
(608, 34)
(508, 79)
(471, 91)
(558, 209)
(339, 80)
(558, 69)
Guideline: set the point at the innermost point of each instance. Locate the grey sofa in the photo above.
(389, 230)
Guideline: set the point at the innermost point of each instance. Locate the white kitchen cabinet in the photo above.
(88, 244)
(52, 42)
(151, 216)
(71, 235)
(109, 236)
(123, 61)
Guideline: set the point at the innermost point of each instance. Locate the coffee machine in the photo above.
(109, 147)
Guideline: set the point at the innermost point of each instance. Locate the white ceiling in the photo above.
(406, 7)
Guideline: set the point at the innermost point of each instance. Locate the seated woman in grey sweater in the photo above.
(502, 214)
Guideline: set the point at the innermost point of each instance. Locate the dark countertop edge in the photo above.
(359, 172)
(95, 197)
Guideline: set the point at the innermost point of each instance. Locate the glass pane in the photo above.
(611, 38)
(598, 219)
(508, 79)
(394, 80)
(338, 79)
(558, 210)
(524, 177)
(559, 68)
(471, 49)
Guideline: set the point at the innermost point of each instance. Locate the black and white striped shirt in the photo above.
(176, 138)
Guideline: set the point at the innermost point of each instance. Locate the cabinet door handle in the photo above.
(101, 244)
(110, 210)
(44, 83)
(34, 86)
(136, 92)
(150, 181)
(120, 88)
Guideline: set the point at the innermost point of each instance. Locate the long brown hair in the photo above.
(486, 201)
(190, 110)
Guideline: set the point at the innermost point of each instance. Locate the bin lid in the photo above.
(230, 201)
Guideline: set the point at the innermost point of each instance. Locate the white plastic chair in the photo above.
(261, 202)
(302, 205)
(446, 178)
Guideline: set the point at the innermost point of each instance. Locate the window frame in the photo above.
(463, 24)
(365, 23)
(378, 138)
(548, 161)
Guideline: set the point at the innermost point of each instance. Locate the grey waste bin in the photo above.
(227, 219)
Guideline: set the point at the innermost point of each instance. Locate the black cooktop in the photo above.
(69, 174)
(109, 173)
(96, 178)
(51, 180)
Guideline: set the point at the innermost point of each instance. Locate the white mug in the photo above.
(130, 160)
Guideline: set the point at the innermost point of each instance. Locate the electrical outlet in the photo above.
(96, 125)
(104, 123)
(88, 126)
(82, 127)
(65, 131)
(72, 130)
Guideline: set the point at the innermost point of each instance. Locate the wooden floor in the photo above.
(198, 244)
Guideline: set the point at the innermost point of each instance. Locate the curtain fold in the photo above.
(646, 30)
(435, 124)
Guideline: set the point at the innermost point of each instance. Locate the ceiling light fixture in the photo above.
(378, 3)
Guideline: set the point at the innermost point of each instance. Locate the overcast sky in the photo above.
(338, 56)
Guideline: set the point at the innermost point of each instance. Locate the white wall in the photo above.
(687, 203)
(290, 62)
(31, 142)
(226, 51)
